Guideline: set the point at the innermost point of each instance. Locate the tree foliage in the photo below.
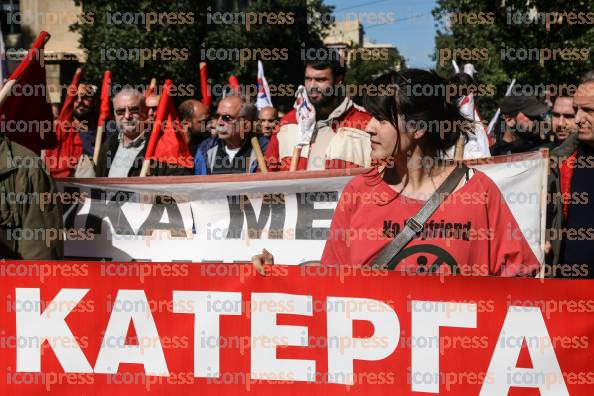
(303, 30)
(503, 33)
(114, 46)
(207, 32)
(362, 71)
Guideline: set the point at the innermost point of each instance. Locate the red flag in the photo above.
(63, 159)
(235, 88)
(204, 87)
(167, 143)
(104, 109)
(26, 114)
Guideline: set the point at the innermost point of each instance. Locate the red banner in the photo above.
(77, 328)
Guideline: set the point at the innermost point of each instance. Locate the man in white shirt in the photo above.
(122, 155)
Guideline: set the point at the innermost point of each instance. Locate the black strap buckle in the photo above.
(414, 225)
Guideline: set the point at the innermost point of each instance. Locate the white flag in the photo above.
(306, 117)
(3, 65)
(263, 99)
(477, 144)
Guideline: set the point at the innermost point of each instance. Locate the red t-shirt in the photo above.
(473, 232)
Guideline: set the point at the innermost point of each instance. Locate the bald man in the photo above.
(122, 155)
(194, 117)
(268, 120)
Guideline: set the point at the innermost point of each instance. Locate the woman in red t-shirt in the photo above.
(473, 231)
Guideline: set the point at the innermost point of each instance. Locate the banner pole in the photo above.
(543, 208)
(459, 153)
(98, 142)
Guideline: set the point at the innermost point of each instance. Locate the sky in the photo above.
(408, 24)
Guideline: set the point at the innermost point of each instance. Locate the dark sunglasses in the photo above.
(224, 117)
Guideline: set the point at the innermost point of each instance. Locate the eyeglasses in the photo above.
(224, 117)
(132, 110)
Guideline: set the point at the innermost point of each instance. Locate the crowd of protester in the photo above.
(383, 134)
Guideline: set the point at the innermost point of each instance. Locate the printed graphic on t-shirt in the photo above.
(428, 257)
(432, 230)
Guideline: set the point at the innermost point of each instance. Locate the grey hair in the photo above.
(130, 90)
(588, 77)
(248, 111)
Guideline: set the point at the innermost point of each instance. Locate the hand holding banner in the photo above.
(197, 328)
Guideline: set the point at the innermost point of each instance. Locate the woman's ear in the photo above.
(418, 134)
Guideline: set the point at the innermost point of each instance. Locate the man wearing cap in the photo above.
(524, 118)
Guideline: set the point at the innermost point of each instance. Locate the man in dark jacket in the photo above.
(524, 118)
(30, 218)
(570, 214)
(122, 155)
(231, 151)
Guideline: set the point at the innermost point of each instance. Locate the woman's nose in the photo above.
(370, 128)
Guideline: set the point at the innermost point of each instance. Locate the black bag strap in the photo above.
(386, 258)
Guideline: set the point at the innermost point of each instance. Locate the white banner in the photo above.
(207, 218)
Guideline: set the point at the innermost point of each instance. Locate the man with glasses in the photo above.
(570, 213)
(231, 151)
(563, 120)
(152, 102)
(194, 117)
(123, 153)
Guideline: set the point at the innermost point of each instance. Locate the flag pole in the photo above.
(496, 116)
(23, 66)
(152, 87)
(259, 155)
(104, 106)
(459, 153)
(295, 158)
